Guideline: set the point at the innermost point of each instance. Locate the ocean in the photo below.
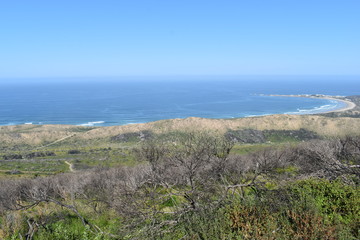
(120, 101)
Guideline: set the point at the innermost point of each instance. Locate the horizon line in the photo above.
(179, 75)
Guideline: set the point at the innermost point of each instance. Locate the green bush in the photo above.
(335, 199)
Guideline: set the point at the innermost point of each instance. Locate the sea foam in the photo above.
(90, 124)
(315, 110)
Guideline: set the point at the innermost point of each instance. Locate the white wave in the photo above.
(28, 123)
(90, 124)
(321, 109)
(257, 115)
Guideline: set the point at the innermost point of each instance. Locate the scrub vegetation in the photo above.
(184, 185)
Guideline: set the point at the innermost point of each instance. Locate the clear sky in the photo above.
(58, 38)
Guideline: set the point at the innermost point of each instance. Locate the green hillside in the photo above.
(273, 177)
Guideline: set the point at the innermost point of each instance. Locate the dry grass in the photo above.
(322, 125)
(45, 134)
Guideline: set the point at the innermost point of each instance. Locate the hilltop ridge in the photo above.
(45, 134)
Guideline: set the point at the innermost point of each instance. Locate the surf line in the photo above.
(348, 104)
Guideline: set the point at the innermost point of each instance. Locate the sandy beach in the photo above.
(348, 104)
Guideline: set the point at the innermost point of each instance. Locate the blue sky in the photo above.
(179, 37)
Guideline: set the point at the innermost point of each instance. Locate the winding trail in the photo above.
(71, 166)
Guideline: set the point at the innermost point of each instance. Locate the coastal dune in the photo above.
(46, 134)
(322, 125)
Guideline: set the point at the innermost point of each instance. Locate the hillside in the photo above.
(192, 187)
(47, 134)
(291, 176)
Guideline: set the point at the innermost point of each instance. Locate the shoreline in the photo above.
(349, 105)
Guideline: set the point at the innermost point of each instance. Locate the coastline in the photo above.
(349, 105)
(346, 105)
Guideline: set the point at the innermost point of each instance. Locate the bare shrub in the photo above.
(328, 158)
(185, 174)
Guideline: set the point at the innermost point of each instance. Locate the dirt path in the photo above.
(57, 141)
(71, 166)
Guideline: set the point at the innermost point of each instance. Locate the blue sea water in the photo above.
(119, 101)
